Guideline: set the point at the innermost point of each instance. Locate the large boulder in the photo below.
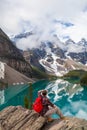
(19, 118)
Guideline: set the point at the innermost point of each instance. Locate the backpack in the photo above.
(37, 105)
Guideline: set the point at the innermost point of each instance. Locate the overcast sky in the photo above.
(66, 18)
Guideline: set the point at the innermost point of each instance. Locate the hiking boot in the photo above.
(49, 119)
(63, 118)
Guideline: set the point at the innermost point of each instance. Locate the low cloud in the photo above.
(18, 16)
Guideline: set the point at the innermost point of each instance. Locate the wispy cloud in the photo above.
(17, 16)
(66, 24)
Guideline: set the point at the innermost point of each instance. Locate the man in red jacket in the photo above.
(48, 107)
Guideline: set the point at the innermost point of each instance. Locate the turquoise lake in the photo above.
(71, 98)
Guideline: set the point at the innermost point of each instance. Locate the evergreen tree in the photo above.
(28, 100)
(30, 95)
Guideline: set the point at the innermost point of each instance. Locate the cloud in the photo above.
(17, 16)
(78, 109)
(66, 24)
(29, 42)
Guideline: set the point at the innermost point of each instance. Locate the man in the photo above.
(48, 107)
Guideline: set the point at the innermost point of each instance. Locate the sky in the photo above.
(66, 18)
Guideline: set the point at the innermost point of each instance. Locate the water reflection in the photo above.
(2, 97)
(71, 98)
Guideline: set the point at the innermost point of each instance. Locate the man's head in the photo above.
(44, 92)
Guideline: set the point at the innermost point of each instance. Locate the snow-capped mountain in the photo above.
(73, 47)
(77, 51)
(56, 57)
(53, 60)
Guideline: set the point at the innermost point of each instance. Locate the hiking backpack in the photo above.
(37, 105)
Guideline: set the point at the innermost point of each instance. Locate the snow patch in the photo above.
(73, 67)
(2, 70)
(53, 66)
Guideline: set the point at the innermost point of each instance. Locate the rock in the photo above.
(69, 123)
(19, 118)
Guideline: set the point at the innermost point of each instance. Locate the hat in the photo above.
(44, 92)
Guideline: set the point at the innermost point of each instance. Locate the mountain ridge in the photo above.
(13, 57)
(55, 60)
(53, 56)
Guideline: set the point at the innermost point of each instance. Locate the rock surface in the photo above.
(19, 118)
(11, 76)
(12, 56)
(67, 124)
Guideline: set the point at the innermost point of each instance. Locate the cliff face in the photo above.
(12, 56)
(18, 118)
(10, 76)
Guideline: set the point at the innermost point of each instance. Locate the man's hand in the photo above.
(40, 91)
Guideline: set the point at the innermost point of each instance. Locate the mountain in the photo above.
(10, 76)
(53, 56)
(54, 60)
(11, 55)
(77, 51)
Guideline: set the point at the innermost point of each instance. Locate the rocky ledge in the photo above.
(19, 118)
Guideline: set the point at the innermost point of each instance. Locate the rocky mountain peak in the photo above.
(53, 56)
(83, 42)
(22, 35)
(69, 41)
(46, 44)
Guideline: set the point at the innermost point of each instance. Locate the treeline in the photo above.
(79, 75)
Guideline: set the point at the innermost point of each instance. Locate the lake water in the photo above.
(71, 98)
